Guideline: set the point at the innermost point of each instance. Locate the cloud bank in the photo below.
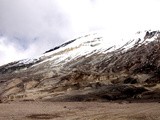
(30, 27)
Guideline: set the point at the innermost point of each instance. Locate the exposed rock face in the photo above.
(83, 70)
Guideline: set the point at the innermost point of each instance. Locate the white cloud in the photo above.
(112, 15)
(33, 26)
(7, 52)
(28, 19)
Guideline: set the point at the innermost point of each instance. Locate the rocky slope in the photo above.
(87, 69)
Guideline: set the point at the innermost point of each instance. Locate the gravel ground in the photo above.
(79, 111)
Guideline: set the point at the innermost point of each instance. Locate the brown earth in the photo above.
(79, 111)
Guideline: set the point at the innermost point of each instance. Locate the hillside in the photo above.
(87, 69)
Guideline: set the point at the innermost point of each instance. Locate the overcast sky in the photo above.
(30, 27)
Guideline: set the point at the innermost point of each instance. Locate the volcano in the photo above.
(87, 68)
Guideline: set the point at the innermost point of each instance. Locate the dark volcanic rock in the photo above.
(106, 92)
(130, 81)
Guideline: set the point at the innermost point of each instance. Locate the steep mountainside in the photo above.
(87, 68)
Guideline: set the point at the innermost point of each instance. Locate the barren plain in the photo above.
(121, 110)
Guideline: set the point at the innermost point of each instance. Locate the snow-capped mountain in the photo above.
(90, 44)
(86, 68)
